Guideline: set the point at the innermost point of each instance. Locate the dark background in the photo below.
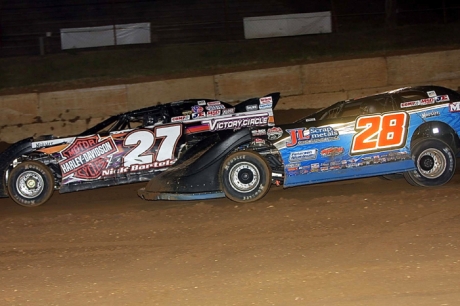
(23, 22)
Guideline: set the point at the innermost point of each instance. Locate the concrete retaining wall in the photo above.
(302, 86)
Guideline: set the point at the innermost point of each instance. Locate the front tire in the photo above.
(245, 176)
(435, 163)
(30, 184)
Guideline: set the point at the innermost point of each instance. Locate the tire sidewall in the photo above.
(236, 159)
(417, 176)
(41, 170)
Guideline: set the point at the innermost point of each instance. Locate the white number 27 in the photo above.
(144, 140)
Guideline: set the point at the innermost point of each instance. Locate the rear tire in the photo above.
(434, 161)
(245, 176)
(30, 184)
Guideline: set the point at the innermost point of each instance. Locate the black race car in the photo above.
(409, 132)
(130, 147)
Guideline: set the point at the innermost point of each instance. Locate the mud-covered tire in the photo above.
(30, 184)
(245, 176)
(435, 163)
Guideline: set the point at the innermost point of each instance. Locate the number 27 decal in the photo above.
(379, 132)
(142, 142)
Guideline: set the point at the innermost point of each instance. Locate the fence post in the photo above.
(444, 14)
(41, 42)
(335, 26)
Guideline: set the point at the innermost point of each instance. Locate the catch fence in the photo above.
(34, 27)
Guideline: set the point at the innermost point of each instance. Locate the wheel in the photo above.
(245, 176)
(410, 180)
(435, 163)
(30, 184)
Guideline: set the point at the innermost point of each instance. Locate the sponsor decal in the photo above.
(265, 106)
(454, 107)
(315, 167)
(214, 103)
(367, 160)
(252, 107)
(304, 169)
(332, 151)
(431, 94)
(51, 142)
(391, 156)
(213, 113)
(228, 111)
(352, 164)
(380, 159)
(310, 119)
(430, 114)
(293, 166)
(198, 115)
(303, 155)
(292, 169)
(260, 132)
(137, 167)
(201, 102)
(180, 118)
(258, 141)
(197, 109)
(265, 102)
(237, 122)
(214, 107)
(187, 113)
(274, 133)
(335, 166)
(312, 135)
(402, 156)
(427, 101)
(85, 158)
(42, 144)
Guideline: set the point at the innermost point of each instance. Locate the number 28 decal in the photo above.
(380, 132)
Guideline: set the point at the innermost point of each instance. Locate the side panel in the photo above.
(364, 146)
(120, 154)
(140, 154)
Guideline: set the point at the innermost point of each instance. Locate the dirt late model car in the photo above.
(410, 132)
(126, 148)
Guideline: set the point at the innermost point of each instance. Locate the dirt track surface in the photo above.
(359, 242)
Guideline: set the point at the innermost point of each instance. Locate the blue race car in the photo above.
(410, 132)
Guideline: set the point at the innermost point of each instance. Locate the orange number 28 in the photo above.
(378, 132)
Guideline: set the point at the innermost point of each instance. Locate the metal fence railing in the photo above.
(30, 27)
